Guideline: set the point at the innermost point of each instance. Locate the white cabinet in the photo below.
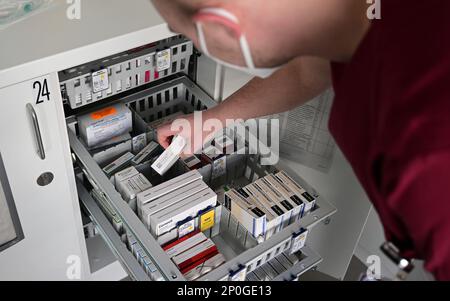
(49, 215)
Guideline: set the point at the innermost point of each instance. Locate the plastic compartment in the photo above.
(125, 71)
(233, 241)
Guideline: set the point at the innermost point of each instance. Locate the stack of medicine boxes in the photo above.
(269, 204)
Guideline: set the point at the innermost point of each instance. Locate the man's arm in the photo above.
(292, 86)
(298, 82)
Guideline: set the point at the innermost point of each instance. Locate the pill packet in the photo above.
(13, 11)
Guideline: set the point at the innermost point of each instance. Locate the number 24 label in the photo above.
(43, 94)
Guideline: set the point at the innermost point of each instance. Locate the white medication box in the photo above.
(248, 214)
(309, 200)
(184, 244)
(277, 197)
(285, 192)
(273, 221)
(170, 155)
(118, 164)
(100, 126)
(125, 175)
(166, 187)
(145, 153)
(171, 199)
(286, 214)
(167, 219)
(192, 162)
(276, 217)
(131, 187)
(204, 267)
(194, 254)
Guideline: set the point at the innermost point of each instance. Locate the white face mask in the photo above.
(245, 48)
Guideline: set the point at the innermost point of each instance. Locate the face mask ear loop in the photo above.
(245, 48)
(201, 38)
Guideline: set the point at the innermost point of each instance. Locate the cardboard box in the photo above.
(273, 221)
(277, 197)
(124, 175)
(131, 241)
(203, 267)
(278, 214)
(105, 156)
(110, 143)
(308, 199)
(167, 219)
(166, 187)
(146, 153)
(171, 199)
(192, 162)
(130, 188)
(100, 126)
(278, 208)
(170, 156)
(184, 244)
(139, 142)
(118, 164)
(151, 269)
(287, 193)
(195, 254)
(248, 214)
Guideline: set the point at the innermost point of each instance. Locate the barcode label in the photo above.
(277, 210)
(110, 166)
(100, 80)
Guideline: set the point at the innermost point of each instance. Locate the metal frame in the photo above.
(254, 254)
(312, 259)
(109, 234)
(11, 206)
(121, 60)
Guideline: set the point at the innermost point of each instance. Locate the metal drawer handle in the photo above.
(37, 130)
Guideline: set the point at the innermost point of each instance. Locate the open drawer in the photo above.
(245, 256)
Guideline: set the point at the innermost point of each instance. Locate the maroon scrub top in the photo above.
(391, 118)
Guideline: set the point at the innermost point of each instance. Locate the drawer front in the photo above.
(37, 168)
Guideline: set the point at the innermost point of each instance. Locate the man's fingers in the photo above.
(164, 144)
(163, 140)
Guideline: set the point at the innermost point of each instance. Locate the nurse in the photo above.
(391, 114)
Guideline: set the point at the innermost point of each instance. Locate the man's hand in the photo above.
(184, 126)
(292, 86)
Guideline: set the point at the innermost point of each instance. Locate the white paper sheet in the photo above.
(304, 134)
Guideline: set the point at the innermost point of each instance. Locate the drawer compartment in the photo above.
(89, 83)
(244, 253)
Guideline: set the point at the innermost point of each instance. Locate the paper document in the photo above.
(304, 134)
